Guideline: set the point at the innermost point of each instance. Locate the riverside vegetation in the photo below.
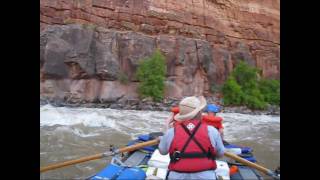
(151, 74)
(244, 86)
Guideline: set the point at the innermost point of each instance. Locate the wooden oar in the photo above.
(99, 156)
(251, 164)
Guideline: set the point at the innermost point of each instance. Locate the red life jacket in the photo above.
(191, 151)
(212, 121)
(175, 110)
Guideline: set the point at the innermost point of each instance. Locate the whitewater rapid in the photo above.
(133, 123)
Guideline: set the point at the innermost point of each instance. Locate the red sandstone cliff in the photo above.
(202, 41)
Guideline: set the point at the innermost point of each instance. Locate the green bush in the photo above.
(245, 75)
(232, 92)
(271, 90)
(254, 99)
(243, 87)
(151, 74)
(254, 102)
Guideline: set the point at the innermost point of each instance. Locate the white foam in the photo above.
(76, 131)
(80, 133)
(248, 127)
(133, 123)
(63, 116)
(129, 122)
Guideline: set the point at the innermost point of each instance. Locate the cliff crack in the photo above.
(252, 39)
(57, 9)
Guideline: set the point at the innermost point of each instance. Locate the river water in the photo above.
(70, 133)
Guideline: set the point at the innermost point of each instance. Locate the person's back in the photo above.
(211, 119)
(193, 145)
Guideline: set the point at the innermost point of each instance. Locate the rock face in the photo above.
(201, 39)
(90, 71)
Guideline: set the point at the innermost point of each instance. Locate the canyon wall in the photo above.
(86, 46)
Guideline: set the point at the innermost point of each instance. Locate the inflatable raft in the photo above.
(148, 163)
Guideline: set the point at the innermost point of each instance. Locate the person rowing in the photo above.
(193, 145)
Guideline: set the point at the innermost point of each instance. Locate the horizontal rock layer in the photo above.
(201, 39)
(223, 23)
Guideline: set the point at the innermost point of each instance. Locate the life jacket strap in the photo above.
(178, 155)
(191, 137)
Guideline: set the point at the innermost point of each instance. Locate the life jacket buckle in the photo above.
(176, 155)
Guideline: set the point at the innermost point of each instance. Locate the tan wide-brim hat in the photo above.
(189, 107)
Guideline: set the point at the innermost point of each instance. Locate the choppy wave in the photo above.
(128, 122)
(132, 123)
(77, 131)
(249, 127)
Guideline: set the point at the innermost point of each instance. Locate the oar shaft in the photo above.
(71, 162)
(248, 163)
(99, 156)
(138, 146)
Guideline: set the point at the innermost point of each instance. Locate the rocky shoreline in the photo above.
(147, 104)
